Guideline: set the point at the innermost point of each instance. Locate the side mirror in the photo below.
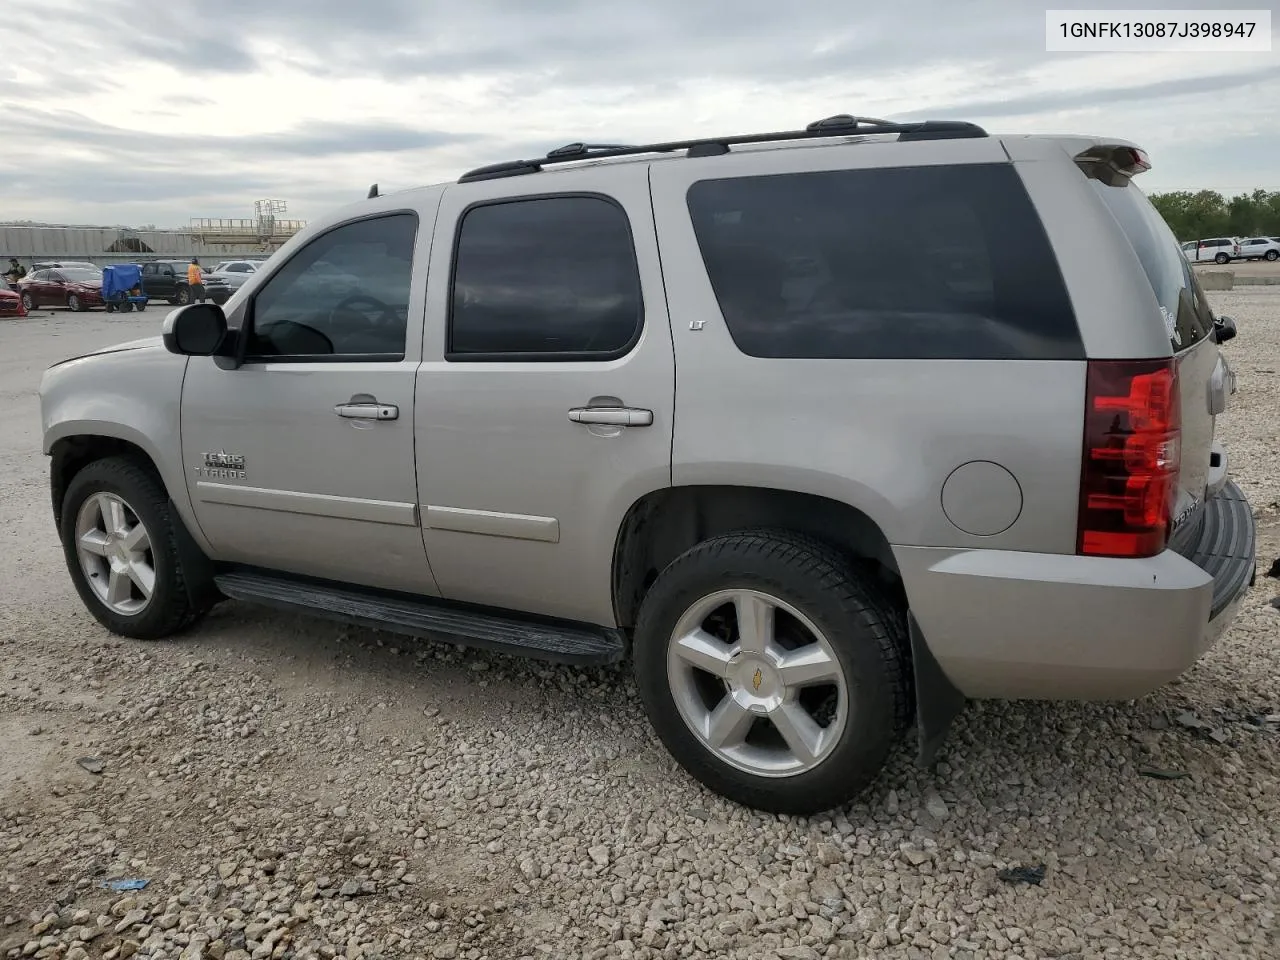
(1225, 328)
(196, 330)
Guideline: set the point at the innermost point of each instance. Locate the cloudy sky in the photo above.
(157, 111)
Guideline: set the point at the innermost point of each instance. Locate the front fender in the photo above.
(132, 395)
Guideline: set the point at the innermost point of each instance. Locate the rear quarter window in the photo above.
(1187, 316)
(938, 262)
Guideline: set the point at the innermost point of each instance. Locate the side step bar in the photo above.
(561, 642)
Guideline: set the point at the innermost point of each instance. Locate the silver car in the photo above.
(236, 272)
(825, 431)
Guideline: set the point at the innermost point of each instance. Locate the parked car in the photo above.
(1264, 248)
(1217, 249)
(675, 405)
(10, 300)
(167, 280)
(77, 288)
(235, 272)
(60, 264)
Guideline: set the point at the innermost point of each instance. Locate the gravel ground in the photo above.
(294, 789)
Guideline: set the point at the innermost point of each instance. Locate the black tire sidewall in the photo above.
(1272, 255)
(28, 302)
(146, 498)
(872, 727)
(1222, 258)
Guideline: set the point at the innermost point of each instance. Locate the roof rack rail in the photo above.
(838, 126)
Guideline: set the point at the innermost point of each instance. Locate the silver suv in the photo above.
(825, 430)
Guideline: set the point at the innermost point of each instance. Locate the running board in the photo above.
(561, 642)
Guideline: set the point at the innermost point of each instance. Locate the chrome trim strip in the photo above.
(488, 523)
(311, 504)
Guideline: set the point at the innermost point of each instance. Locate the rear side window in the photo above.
(913, 262)
(1187, 316)
(548, 278)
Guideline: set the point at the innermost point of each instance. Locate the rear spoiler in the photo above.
(1113, 164)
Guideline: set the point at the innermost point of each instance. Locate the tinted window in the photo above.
(238, 268)
(1186, 314)
(920, 262)
(553, 276)
(344, 294)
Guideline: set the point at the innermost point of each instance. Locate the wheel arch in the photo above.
(662, 524)
(72, 452)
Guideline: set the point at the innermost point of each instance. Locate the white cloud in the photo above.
(199, 110)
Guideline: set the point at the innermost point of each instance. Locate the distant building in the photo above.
(212, 238)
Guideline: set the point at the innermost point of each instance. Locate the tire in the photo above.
(126, 307)
(27, 303)
(141, 307)
(74, 304)
(1272, 255)
(110, 307)
(1222, 258)
(168, 610)
(866, 646)
(183, 296)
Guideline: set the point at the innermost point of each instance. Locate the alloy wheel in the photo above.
(757, 683)
(115, 553)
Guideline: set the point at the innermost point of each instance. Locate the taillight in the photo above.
(1132, 453)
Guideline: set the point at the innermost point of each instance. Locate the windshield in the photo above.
(81, 274)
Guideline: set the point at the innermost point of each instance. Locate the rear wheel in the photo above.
(1221, 258)
(120, 544)
(1272, 255)
(773, 670)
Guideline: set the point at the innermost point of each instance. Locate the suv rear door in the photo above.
(545, 398)
(1189, 323)
(158, 280)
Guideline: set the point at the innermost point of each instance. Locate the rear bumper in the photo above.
(1056, 626)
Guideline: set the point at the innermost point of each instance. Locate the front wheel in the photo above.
(28, 304)
(74, 304)
(184, 296)
(120, 544)
(774, 671)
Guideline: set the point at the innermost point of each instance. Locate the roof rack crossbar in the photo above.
(838, 126)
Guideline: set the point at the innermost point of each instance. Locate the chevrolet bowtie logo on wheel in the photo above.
(755, 681)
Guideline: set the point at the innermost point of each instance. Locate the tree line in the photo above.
(1207, 213)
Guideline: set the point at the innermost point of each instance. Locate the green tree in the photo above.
(1206, 213)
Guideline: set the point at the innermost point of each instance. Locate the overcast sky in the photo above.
(157, 111)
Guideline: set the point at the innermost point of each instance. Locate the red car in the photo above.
(10, 301)
(76, 287)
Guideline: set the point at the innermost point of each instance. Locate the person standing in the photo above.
(195, 280)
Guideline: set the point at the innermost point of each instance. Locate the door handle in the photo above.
(368, 411)
(612, 416)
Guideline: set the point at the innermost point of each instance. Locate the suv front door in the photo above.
(547, 334)
(301, 459)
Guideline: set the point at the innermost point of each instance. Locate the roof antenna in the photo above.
(373, 192)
